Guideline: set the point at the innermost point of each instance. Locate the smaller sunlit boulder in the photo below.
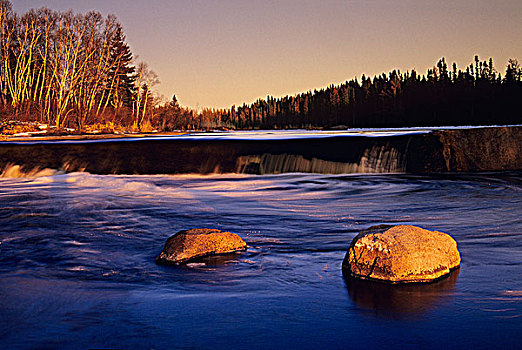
(186, 246)
(401, 254)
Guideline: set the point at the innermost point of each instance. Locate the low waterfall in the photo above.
(377, 159)
(419, 153)
(16, 171)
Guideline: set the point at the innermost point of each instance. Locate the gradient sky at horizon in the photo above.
(219, 53)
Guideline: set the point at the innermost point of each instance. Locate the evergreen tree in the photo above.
(122, 75)
(513, 71)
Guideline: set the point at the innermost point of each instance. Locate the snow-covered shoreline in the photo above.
(35, 138)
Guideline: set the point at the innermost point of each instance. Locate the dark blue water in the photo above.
(77, 262)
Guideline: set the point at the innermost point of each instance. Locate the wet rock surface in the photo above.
(188, 245)
(401, 254)
(483, 149)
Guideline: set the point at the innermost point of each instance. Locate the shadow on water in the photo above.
(212, 261)
(400, 301)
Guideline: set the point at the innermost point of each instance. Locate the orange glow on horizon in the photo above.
(216, 54)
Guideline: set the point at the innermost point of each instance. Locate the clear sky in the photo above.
(216, 53)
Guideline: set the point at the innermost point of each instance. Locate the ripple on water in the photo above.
(78, 250)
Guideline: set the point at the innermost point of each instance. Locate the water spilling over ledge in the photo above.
(410, 151)
(377, 159)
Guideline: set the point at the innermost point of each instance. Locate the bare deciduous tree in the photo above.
(64, 64)
(143, 102)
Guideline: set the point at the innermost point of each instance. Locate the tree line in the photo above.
(75, 70)
(477, 95)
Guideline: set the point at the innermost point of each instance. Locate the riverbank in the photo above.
(34, 131)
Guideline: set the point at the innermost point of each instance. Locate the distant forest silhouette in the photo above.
(76, 70)
(479, 95)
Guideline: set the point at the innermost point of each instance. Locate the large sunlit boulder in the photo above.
(186, 246)
(401, 254)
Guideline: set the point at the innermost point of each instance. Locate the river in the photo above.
(77, 263)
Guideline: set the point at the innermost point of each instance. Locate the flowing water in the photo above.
(77, 263)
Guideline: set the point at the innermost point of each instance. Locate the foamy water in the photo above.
(77, 262)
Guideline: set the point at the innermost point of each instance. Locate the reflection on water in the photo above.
(77, 262)
(401, 300)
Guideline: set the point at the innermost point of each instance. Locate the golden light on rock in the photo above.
(401, 254)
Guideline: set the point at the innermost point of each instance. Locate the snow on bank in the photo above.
(255, 135)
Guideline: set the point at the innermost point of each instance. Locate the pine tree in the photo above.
(122, 81)
(513, 71)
